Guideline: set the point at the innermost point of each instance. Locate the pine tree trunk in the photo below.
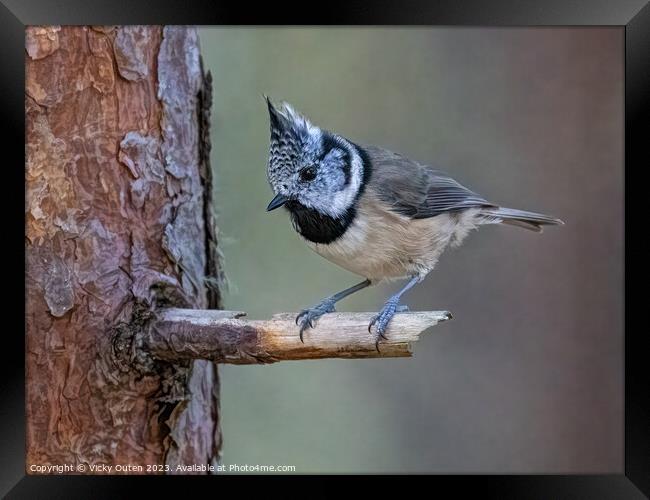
(118, 223)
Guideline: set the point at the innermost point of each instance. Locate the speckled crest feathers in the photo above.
(291, 133)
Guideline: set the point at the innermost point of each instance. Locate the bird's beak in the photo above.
(276, 202)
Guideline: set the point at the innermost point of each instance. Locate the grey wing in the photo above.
(415, 190)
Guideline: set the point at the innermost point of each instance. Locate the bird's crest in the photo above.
(285, 119)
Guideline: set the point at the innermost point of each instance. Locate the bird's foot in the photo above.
(307, 317)
(381, 320)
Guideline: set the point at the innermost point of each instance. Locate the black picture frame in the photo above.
(632, 15)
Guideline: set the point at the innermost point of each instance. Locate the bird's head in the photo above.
(310, 167)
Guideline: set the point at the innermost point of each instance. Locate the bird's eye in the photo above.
(308, 174)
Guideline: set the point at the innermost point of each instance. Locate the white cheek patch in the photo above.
(344, 199)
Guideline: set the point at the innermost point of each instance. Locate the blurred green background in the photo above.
(528, 376)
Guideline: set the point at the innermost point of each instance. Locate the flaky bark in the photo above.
(116, 226)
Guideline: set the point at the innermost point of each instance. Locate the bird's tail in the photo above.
(528, 220)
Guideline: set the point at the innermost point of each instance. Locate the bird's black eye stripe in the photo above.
(329, 143)
(308, 174)
(347, 167)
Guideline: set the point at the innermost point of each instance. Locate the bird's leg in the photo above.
(391, 307)
(307, 317)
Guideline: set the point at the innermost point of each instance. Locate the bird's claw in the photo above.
(383, 318)
(306, 317)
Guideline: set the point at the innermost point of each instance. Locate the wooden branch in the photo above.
(224, 337)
